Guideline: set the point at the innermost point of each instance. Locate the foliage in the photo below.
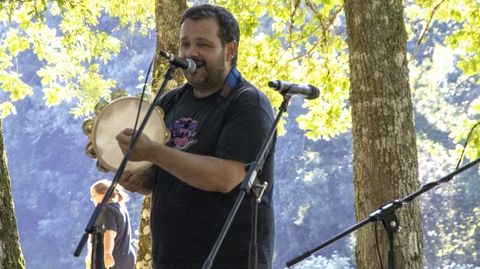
(74, 53)
(65, 50)
(62, 49)
(302, 42)
(446, 94)
(50, 176)
(38, 138)
(69, 44)
(307, 174)
(462, 37)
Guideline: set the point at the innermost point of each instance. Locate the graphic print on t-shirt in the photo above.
(183, 133)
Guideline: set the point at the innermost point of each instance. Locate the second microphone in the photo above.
(307, 91)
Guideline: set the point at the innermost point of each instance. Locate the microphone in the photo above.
(307, 91)
(188, 65)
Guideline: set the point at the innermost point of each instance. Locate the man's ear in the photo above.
(232, 49)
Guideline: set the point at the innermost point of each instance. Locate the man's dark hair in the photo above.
(229, 29)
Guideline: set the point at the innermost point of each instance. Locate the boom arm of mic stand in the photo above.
(385, 210)
(93, 218)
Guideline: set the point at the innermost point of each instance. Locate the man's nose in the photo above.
(191, 52)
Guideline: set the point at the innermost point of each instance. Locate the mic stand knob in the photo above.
(258, 190)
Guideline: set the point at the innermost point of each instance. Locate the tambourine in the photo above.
(114, 118)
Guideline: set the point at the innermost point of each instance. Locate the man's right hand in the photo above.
(137, 181)
(108, 260)
(142, 148)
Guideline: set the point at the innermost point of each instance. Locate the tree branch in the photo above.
(427, 27)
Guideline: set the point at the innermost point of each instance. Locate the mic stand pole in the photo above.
(386, 213)
(96, 259)
(91, 229)
(250, 185)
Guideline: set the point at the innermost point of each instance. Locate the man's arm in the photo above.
(242, 135)
(108, 244)
(203, 172)
(139, 181)
(207, 173)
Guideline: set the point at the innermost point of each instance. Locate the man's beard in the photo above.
(215, 73)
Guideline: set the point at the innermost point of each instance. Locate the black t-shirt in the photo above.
(186, 221)
(116, 219)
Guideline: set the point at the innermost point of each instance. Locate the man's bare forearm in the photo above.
(148, 181)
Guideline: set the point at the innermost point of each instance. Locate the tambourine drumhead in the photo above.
(114, 118)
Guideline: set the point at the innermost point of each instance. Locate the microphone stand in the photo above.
(92, 228)
(252, 186)
(386, 214)
(96, 258)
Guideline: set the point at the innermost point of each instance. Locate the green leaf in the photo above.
(7, 109)
(15, 42)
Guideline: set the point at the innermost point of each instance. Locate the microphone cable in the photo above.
(142, 96)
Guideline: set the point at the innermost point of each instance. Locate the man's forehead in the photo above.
(206, 26)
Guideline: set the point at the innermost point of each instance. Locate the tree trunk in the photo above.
(10, 251)
(168, 15)
(384, 143)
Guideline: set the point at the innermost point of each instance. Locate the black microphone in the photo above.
(188, 65)
(307, 91)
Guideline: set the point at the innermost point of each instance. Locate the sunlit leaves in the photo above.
(66, 37)
(46, 45)
(296, 41)
(475, 108)
(431, 96)
(328, 116)
(133, 14)
(5, 59)
(6, 109)
(430, 85)
(11, 82)
(467, 38)
(53, 94)
(285, 40)
(94, 86)
(462, 18)
(15, 42)
(445, 86)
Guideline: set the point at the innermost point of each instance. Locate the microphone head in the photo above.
(165, 54)
(287, 88)
(192, 66)
(314, 94)
(275, 84)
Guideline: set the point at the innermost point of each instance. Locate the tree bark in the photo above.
(384, 142)
(168, 15)
(10, 251)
